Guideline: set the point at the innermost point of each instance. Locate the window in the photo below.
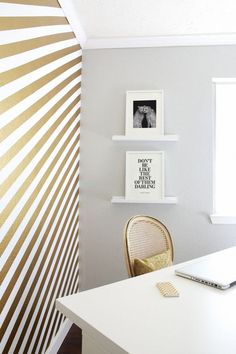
(225, 151)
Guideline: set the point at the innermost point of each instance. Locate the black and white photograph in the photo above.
(144, 113)
(144, 175)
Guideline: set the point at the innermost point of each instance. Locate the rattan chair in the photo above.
(145, 236)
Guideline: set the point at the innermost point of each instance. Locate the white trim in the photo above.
(161, 41)
(59, 338)
(72, 16)
(214, 145)
(222, 219)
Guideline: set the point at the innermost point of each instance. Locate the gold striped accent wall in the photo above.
(40, 154)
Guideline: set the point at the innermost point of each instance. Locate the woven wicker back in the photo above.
(145, 236)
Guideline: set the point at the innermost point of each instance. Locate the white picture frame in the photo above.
(144, 179)
(144, 113)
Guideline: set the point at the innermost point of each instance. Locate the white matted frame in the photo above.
(144, 178)
(144, 113)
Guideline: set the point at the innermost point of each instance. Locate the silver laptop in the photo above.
(217, 270)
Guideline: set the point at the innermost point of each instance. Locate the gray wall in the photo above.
(184, 74)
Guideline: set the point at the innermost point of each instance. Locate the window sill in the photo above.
(222, 219)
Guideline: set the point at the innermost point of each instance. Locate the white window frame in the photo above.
(217, 218)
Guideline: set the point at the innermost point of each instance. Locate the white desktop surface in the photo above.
(132, 316)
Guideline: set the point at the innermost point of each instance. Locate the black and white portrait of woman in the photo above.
(144, 114)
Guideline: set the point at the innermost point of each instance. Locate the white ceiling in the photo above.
(113, 20)
(138, 18)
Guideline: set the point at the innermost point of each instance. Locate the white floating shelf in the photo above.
(146, 139)
(165, 200)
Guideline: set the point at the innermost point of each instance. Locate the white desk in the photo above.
(132, 317)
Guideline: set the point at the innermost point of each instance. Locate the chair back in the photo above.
(145, 236)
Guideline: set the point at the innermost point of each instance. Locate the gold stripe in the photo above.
(51, 272)
(14, 149)
(60, 323)
(27, 159)
(24, 116)
(57, 314)
(19, 71)
(20, 95)
(58, 326)
(51, 3)
(56, 295)
(75, 286)
(59, 293)
(7, 50)
(73, 237)
(71, 273)
(48, 271)
(19, 169)
(28, 227)
(11, 23)
(6, 294)
(62, 291)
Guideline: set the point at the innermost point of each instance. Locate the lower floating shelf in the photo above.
(165, 200)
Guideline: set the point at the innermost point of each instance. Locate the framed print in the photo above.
(144, 175)
(144, 113)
